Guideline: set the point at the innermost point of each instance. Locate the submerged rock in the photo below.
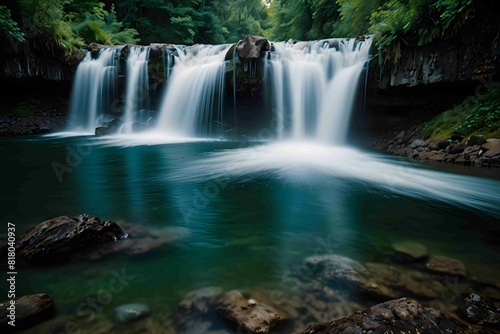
(409, 251)
(446, 265)
(29, 311)
(60, 238)
(196, 312)
(131, 312)
(396, 316)
(248, 314)
(373, 280)
(477, 310)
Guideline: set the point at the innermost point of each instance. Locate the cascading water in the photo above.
(94, 89)
(137, 82)
(194, 99)
(313, 87)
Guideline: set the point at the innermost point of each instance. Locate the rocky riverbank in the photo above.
(411, 143)
(32, 116)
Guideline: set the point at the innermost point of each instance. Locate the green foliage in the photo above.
(9, 27)
(476, 116)
(101, 26)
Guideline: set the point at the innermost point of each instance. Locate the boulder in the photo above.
(251, 47)
(131, 312)
(418, 143)
(248, 314)
(475, 140)
(456, 149)
(446, 265)
(58, 239)
(396, 316)
(373, 280)
(29, 311)
(477, 310)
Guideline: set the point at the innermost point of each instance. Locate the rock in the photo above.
(437, 156)
(475, 140)
(131, 312)
(472, 150)
(477, 310)
(438, 145)
(139, 241)
(58, 239)
(418, 143)
(446, 265)
(251, 47)
(491, 144)
(249, 315)
(409, 251)
(372, 280)
(196, 312)
(396, 316)
(456, 149)
(101, 131)
(493, 153)
(29, 311)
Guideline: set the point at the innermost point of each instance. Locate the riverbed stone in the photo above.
(29, 311)
(56, 240)
(131, 312)
(447, 266)
(373, 280)
(248, 314)
(410, 250)
(403, 315)
(196, 312)
(478, 310)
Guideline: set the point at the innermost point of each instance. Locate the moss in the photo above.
(476, 116)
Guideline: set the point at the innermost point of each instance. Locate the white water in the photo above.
(303, 161)
(194, 99)
(93, 90)
(137, 82)
(313, 87)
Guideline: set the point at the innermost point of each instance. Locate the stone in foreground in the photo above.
(131, 312)
(395, 316)
(249, 315)
(477, 310)
(57, 239)
(447, 266)
(29, 311)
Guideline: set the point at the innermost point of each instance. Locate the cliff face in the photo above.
(468, 57)
(37, 58)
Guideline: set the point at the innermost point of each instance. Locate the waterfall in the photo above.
(194, 98)
(137, 86)
(94, 90)
(313, 87)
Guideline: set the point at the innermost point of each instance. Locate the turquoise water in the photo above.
(241, 229)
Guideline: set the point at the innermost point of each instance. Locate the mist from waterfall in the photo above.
(314, 85)
(194, 100)
(94, 90)
(137, 86)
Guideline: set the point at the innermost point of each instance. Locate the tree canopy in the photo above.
(72, 23)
